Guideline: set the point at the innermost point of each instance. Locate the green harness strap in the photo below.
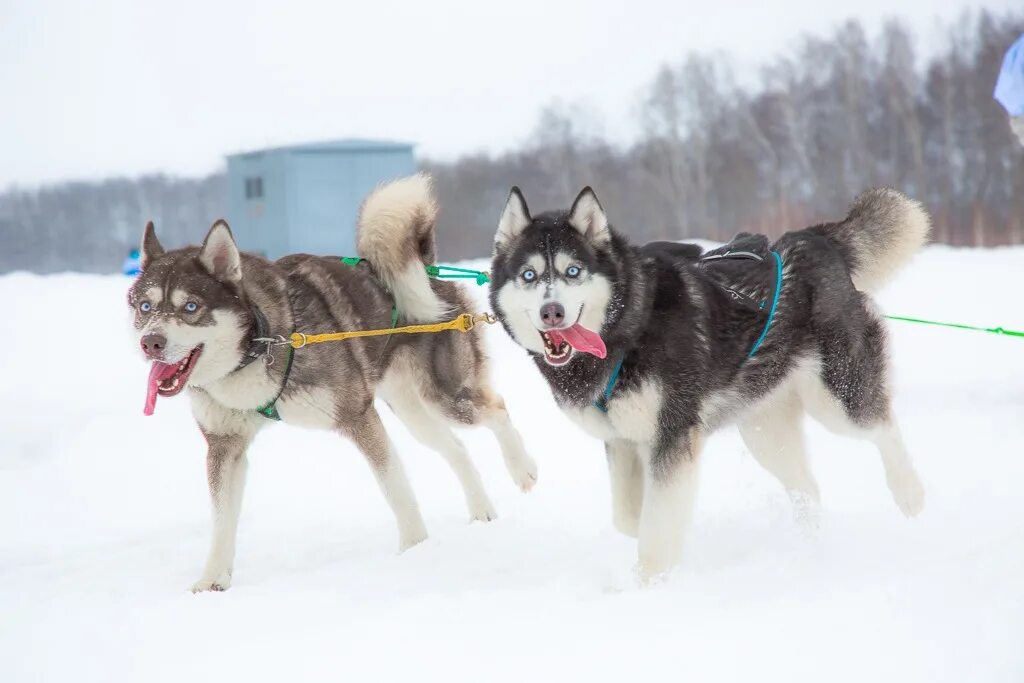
(269, 409)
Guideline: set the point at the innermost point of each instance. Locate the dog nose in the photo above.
(552, 314)
(153, 345)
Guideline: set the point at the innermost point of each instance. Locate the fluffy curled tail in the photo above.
(882, 231)
(395, 233)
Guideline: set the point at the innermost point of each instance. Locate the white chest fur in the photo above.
(313, 407)
(244, 389)
(632, 416)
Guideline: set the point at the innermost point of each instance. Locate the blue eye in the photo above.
(191, 307)
(529, 275)
(573, 271)
(145, 307)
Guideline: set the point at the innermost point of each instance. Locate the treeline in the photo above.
(834, 116)
(90, 227)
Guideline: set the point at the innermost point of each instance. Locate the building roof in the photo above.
(342, 146)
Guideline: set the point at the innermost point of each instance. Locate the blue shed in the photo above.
(305, 198)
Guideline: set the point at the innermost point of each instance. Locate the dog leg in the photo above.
(627, 479)
(519, 464)
(900, 475)
(432, 432)
(828, 408)
(670, 492)
(226, 466)
(774, 435)
(368, 433)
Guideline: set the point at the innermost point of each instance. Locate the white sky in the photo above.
(122, 87)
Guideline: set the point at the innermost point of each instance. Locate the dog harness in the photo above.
(262, 343)
(775, 303)
(269, 409)
(602, 402)
(260, 346)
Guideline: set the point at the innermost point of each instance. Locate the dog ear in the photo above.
(514, 218)
(587, 216)
(219, 254)
(151, 247)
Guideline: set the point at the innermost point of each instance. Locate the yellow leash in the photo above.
(463, 323)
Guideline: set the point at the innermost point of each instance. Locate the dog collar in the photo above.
(261, 330)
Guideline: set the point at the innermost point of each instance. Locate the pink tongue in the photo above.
(581, 339)
(158, 373)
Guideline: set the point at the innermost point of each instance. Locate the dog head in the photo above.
(189, 312)
(553, 277)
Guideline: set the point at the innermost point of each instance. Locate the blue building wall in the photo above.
(310, 194)
(259, 224)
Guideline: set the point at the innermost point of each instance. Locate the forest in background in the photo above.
(712, 157)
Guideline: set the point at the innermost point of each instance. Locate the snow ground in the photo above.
(103, 526)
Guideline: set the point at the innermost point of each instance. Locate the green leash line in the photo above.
(482, 277)
(453, 273)
(437, 272)
(958, 326)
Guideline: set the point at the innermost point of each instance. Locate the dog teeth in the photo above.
(553, 352)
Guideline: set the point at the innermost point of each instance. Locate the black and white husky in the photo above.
(652, 348)
(200, 314)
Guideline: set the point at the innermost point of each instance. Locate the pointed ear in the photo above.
(589, 218)
(514, 218)
(219, 254)
(151, 247)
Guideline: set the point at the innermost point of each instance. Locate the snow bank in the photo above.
(103, 526)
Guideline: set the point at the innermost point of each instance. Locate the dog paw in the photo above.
(807, 511)
(524, 473)
(483, 512)
(626, 524)
(410, 538)
(211, 585)
(652, 574)
(908, 493)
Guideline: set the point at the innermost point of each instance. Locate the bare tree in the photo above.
(835, 116)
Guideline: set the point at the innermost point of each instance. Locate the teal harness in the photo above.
(602, 402)
(775, 303)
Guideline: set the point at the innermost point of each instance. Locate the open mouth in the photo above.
(173, 376)
(556, 353)
(168, 379)
(560, 344)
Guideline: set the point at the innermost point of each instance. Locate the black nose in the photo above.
(153, 345)
(552, 314)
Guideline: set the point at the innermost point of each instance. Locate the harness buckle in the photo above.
(270, 342)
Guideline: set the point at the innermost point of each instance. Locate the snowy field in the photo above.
(104, 525)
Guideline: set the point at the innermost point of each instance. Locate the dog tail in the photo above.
(395, 234)
(882, 231)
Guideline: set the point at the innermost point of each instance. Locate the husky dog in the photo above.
(651, 349)
(199, 312)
